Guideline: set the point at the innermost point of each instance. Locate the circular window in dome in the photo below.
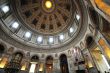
(48, 5)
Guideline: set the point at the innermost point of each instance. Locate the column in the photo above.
(70, 68)
(37, 67)
(4, 60)
(42, 66)
(6, 57)
(56, 66)
(25, 65)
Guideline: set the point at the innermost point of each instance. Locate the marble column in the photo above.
(56, 66)
(69, 64)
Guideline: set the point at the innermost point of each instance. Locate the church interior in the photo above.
(54, 36)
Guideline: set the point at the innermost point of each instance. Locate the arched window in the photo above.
(14, 66)
(17, 57)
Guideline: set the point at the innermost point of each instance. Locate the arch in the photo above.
(49, 64)
(2, 49)
(89, 40)
(64, 64)
(34, 64)
(19, 51)
(66, 54)
(49, 57)
(15, 64)
(18, 56)
(62, 55)
(94, 16)
(34, 58)
(3, 46)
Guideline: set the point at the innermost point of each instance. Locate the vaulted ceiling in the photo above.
(44, 24)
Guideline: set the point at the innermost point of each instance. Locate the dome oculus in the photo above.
(48, 4)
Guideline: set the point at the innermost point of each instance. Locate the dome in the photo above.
(44, 20)
(45, 24)
(54, 36)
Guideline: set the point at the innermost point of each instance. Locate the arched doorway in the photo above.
(3, 60)
(49, 64)
(98, 57)
(14, 66)
(64, 64)
(34, 64)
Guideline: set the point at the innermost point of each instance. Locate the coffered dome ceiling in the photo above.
(44, 24)
(46, 16)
